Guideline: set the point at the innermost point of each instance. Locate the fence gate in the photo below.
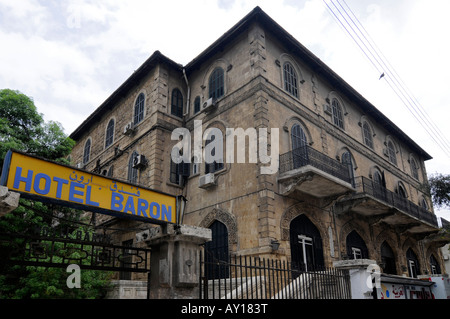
(42, 247)
(256, 278)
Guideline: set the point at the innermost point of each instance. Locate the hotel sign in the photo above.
(44, 180)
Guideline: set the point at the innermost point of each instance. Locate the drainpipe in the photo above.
(188, 94)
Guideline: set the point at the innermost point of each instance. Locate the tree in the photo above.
(440, 190)
(24, 129)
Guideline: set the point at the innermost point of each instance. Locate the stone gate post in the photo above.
(175, 265)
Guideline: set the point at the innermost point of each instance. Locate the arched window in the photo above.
(391, 153)
(414, 168)
(177, 103)
(216, 250)
(132, 172)
(216, 83)
(356, 247)
(413, 263)
(299, 146)
(336, 108)
(347, 161)
(139, 108)
(367, 135)
(290, 79)
(87, 151)
(388, 259)
(109, 139)
(197, 105)
(215, 165)
(378, 178)
(306, 244)
(401, 190)
(434, 265)
(424, 204)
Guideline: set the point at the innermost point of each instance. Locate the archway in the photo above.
(306, 244)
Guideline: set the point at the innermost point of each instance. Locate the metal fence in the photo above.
(306, 155)
(366, 185)
(243, 277)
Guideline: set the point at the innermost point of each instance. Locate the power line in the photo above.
(399, 82)
(353, 27)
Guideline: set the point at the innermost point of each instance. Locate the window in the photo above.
(367, 135)
(434, 264)
(356, 247)
(177, 103)
(299, 146)
(197, 105)
(214, 166)
(401, 190)
(290, 79)
(413, 263)
(132, 172)
(179, 172)
(139, 108)
(424, 204)
(109, 133)
(391, 153)
(337, 114)
(388, 259)
(414, 169)
(87, 151)
(306, 244)
(216, 84)
(195, 166)
(347, 161)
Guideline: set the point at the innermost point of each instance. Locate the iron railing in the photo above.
(376, 190)
(306, 155)
(259, 278)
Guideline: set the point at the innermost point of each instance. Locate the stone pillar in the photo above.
(175, 265)
(8, 200)
(361, 272)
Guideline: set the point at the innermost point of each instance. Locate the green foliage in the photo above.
(440, 190)
(23, 128)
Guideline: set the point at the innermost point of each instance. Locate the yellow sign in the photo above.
(35, 177)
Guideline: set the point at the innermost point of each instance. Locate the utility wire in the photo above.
(398, 81)
(353, 27)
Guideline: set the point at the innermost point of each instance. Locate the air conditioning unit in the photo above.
(128, 129)
(139, 161)
(327, 109)
(207, 180)
(208, 104)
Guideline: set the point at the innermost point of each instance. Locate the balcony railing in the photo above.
(376, 190)
(306, 155)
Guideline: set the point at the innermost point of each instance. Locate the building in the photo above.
(349, 183)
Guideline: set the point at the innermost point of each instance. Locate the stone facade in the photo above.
(254, 207)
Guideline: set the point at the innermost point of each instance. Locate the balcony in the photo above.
(313, 173)
(375, 201)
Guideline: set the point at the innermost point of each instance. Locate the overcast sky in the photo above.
(69, 56)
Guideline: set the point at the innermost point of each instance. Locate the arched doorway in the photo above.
(306, 245)
(356, 247)
(216, 251)
(434, 265)
(413, 263)
(388, 259)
